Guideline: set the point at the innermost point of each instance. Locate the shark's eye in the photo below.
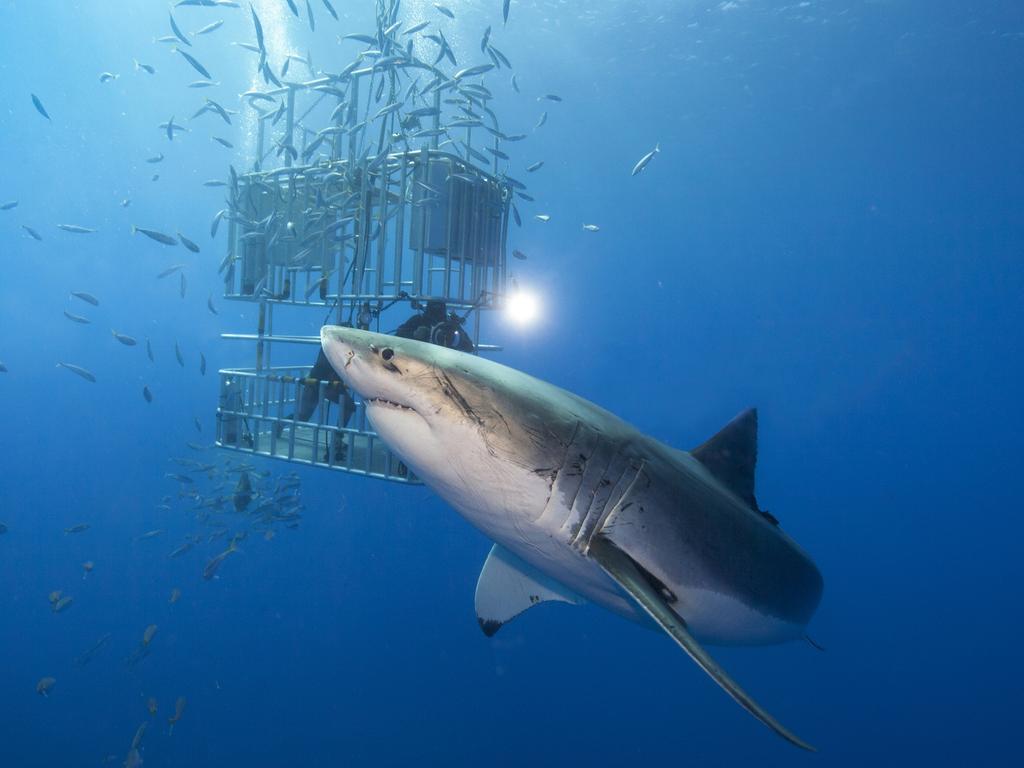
(387, 353)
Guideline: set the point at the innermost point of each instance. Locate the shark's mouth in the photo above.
(385, 403)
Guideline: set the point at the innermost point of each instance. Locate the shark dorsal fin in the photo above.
(731, 455)
(508, 586)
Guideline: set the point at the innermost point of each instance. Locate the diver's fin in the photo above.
(731, 455)
(625, 573)
(508, 586)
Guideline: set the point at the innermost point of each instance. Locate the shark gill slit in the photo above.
(593, 523)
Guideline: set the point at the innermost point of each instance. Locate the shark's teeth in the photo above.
(389, 403)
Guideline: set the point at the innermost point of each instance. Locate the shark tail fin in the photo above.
(621, 568)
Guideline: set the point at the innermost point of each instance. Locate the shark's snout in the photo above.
(375, 366)
(339, 348)
(354, 354)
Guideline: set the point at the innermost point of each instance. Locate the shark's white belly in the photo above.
(504, 503)
(544, 543)
(515, 508)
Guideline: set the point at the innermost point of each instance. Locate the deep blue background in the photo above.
(832, 232)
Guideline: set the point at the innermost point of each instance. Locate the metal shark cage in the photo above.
(357, 222)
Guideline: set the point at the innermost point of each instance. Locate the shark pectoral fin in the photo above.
(508, 586)
(625, 573)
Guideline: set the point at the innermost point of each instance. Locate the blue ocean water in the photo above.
(832, 232)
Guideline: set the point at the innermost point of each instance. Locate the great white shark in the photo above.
(583, 506)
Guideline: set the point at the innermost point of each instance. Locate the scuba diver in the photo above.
(335, 392)
(438, 326)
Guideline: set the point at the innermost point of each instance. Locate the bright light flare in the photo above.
(522, 308)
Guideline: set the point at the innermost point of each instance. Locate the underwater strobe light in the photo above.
(522, 307)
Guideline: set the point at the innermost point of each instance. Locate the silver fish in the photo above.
(152, 234)
(179, 551)
(216, 223)
(223, 113)
(259, 29)
(77, 369)
(177, 32)
(170, 127)
(74, 228)
(170, 271)
(76, 318)
(128, 341)
(479, 69)
(39, 106)
(642, 163)
(86, 657)
(208, 28)
(88, 298)
(495, 53)
(195, 64)
(188, 243)
(211, 567)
